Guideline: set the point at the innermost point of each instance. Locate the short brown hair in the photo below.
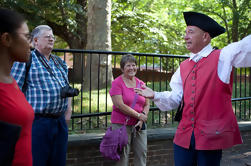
(127, 58)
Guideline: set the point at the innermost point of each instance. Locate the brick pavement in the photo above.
(237, 158)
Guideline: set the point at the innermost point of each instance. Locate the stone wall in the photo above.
(83, 150)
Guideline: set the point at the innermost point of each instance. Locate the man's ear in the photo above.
(6, 39)
(206, 37)
(34, 41)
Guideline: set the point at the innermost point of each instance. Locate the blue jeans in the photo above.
(49, 141)
(193, 157)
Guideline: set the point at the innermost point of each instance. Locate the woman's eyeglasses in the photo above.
(28, 36)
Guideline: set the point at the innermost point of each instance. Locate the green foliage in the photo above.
(62, 15)
(139, 26)
(149, 26)
(157, 26)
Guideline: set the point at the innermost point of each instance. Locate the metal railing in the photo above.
(91, 72)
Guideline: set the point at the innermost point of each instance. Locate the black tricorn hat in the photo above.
(204, 22)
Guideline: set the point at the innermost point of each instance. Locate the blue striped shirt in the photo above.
(43, 89)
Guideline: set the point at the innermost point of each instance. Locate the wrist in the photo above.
(145, 113)
(138, 115)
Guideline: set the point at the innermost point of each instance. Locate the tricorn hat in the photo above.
(204, 22)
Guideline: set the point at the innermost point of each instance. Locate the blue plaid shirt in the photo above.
(43, 89)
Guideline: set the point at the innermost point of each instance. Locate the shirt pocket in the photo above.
(215, 128)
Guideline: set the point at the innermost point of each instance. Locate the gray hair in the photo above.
(127, 58)
(39, 30)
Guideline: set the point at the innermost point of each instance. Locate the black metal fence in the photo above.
(92, 72)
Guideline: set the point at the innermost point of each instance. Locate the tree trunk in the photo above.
(235, 33)
(99, 70)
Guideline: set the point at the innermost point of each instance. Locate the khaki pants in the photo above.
(138, 142)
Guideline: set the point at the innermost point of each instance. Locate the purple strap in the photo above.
(133, 103)
(135, 97)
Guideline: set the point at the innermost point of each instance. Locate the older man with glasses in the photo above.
(42, 80)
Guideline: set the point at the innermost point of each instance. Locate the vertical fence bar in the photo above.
(245, 91)
(240, 77)
(160, 87)
(166, 117)
(153, 122)
(235, 90)
(82, 88)
(249, 107)
(139, 63)
(114, 60)
(146, 70)
(167, 66)
(98, 89)
(172, 72)
(90, 89)
(106, 90)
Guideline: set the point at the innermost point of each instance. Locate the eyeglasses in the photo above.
(49, 37)
(28, 36)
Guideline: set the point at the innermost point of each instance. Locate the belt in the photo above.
(49, 115)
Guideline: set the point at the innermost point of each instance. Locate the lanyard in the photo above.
(48, 68)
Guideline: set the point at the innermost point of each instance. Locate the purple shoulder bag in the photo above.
(114, 140)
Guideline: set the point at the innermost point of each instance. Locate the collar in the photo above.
(203, 53)
(39, 54)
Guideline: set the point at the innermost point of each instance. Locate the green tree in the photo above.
(68, 19)
(234, 15)
(139, 26)
(158, 26)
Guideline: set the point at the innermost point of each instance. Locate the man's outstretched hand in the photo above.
(145, 92)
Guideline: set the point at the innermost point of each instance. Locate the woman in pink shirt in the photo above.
(130, 109)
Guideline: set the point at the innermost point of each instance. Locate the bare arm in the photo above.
(118, 102)
(145, 111)
(68, 111)
(146, 107)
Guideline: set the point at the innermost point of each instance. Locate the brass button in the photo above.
(192, 119)
(193, 91)
(192, 125)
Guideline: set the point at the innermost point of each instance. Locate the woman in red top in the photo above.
(14, 108)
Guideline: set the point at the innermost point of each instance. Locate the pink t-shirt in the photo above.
(128, 95)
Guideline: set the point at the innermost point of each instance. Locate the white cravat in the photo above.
(203, 53)
(236, 54)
